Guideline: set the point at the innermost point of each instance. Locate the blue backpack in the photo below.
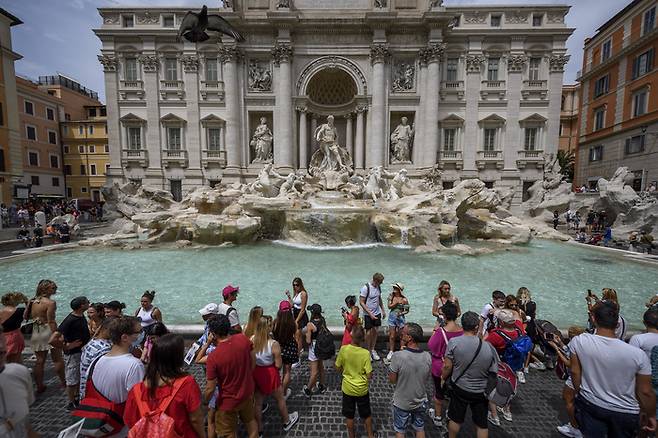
(516, 350)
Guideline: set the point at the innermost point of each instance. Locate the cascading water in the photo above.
(404, 236)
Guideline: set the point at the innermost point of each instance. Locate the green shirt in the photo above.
(355, 363)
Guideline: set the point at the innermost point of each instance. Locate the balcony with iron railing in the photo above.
(450, 157)
(174, 157)
(130, 157)
(211, 157)
(489, 157)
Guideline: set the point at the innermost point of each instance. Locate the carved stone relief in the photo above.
(555, 18)
(148, 18)
(516, 18)
(515, 63)
(404, 75)
(111, 19)
(475, 17)
(149, 63)
(190, 63)
(259, 75)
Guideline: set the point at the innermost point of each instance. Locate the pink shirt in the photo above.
(437, 346)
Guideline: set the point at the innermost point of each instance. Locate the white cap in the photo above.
(209, 309)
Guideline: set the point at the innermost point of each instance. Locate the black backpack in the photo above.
(324, 343)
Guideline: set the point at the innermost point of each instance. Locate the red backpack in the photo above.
(154, 423)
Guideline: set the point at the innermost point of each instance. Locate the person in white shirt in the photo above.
(612, 380)
(488, 319)
(230, 294)
(646, 341)
(370, 299)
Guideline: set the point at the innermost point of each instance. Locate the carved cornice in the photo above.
(282, 52)
(190, 63)
(556, 17)
(109, 62)
(379, 53)
(515, 63)
(475, 17)
(558, 62)
(149, 63)
(474, 63)
(434, 52)
(516, 18)
(148, 18)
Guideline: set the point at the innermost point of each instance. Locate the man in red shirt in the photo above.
(230, 367)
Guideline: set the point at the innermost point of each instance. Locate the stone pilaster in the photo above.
(283, 134)
(359, 147)
(472, 95)
(556, 63)
(193, 136)
(109, 63)
(230, 57)
(303, 137)
(419, 138)
(154, 144)
(349, 135)
(513, 139)
(434, 55)
(376, 153)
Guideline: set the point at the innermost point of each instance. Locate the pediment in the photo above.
(213, 119)
(493, 119)
(534, 118)
(172, 118)
(131, 118)
(453, 118)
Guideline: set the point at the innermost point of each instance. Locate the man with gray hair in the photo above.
(467, 363)
(410, 371)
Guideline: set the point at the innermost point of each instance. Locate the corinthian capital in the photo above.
(434, 51)
(515, 63)
(190, 63)
(229, 53)
(282, 52)
(474, 63)
(558, 62)
(379, 53)
(149, 63)
(109, 62)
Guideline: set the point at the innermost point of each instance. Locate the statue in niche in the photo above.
(261, 141)
(329, 156)
(401, 141)
(260, 77)
(403, 77)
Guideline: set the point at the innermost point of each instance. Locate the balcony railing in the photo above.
(489, 157)
(452, 85)
(213, 157)
(131, 156)
(450, 157)
(174, 156)
(132, 85)
(530, 156)
(489, 154)
(496, 85)
(171, 85)
(535, 84)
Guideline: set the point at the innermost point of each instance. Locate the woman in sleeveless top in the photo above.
(351, 318)
(266, 374)
(443, 295)
(284, 333)
(96, 315)
(11, 318)
(299, 301)
(317, 366)
(42, 310)
(398, 307)
(148, 314)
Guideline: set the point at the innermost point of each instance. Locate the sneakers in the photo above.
(287, 394)
(493, 420)
(538, 366)
(321, 388)
(520, 376)
(293, 418)
(569, 430)
(265, 407)
(526, 370)
(507, 414)
(306, 391)
(374, 355)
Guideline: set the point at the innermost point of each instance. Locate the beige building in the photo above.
(86, 154)
(39, 115)
(569, 118)
(11, 154)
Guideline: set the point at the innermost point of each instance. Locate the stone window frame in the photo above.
(32, 106)
(132, 121)
(50, 161)
(50, 110)
(540, 68)
(170, 121)
(38, 156)
(209, 122)
(595, 112)
(123, 62)
(36, 133)
(52, 131)
(646, 90)
(606, 49)
(534, 121)
(459, 70)
(644, 19)
(592, 155)
(165, 55)
(453, 122)
(493, 121)
(629, 141)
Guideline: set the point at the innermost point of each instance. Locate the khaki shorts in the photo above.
(226, 422)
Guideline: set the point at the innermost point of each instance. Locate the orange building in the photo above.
(618, 100)
(569, 118)
(39, 114)
(11, 163)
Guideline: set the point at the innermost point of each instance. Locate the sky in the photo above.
(57, 36)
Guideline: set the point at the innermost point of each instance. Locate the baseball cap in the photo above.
(398, 285)
(506, 316)
(285, 305)
(229, 289)
(209, 309)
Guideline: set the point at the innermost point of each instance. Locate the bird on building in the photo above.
(194, 26)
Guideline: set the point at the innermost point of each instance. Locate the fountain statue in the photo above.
(330, 162)
(401, 141)
(261, 141)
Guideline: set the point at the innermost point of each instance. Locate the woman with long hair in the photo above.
(96, 315)
(443, 295)
(398, 307)
(254, 316)
(529, 309)
(299, 300)
(11, 318)
(350, 317)
(147, 313)
(283, 331)
(266, 374)
(157, 330)
(41, 310)
(317, 366)
(165, 379)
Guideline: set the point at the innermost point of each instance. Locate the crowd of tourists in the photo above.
(126, 374)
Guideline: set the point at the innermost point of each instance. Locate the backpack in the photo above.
(516, 350)
(231, 331)
(504, 385)
(154, 423)
(324, 343)
(101, 416)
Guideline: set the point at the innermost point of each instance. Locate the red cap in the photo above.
(228, 290)
(285, 306)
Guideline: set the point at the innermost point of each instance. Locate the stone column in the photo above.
(419, 138)
(229, 56)
(376, 153)
(349, 135)
(472, 96)
(109, 63)
(314, 127)
(303, 138)
(552, 139)
(193, 138)
(283, 137)
(359, 147)
(513, 141)
(434, 55)
(153, 144)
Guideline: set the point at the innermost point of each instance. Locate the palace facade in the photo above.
(480, 86)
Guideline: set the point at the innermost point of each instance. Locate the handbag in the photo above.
(27, 327)
(449, 384)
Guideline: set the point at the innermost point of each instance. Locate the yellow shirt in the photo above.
(355, 362)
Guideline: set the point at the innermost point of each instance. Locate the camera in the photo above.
(343, 309)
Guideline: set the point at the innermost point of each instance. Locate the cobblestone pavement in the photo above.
(537, 409)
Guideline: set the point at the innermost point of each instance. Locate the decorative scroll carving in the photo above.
(515, 63)
(516, 18)
(111, 19)
(284, 4)
(260, 75)
(404, 74)
(555, 17)
(190, 63)
(109, 62)
(422, 56)
(282, 52)
(379, 53)
(558, 62)
(360, 109)
(475, 17)
(434, 52)
(148, 18)
(149, 63)
(229, 53)
(474, 63)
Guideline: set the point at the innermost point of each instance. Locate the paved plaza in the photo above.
(537, 408)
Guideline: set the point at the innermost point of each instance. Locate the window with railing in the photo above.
(635, 144)
(602, 85)
(134, 138)
(531, 136)
(171, 69)
(492, 69)
(489, 139)
(449, 136)
(643, 63)
(174, 138)
(596, 153)
(214, 139)
(534, 64)
(451, 69)
(211, 70)
(130, 69)
(649, 21)
(640, 102)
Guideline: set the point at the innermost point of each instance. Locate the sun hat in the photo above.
(209, 309)
(398, 285)
(228, 290)
(285, 306)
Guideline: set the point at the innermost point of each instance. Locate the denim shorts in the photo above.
(395, 321)
(403, 419)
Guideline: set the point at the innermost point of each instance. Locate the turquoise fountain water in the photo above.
(557, 274)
